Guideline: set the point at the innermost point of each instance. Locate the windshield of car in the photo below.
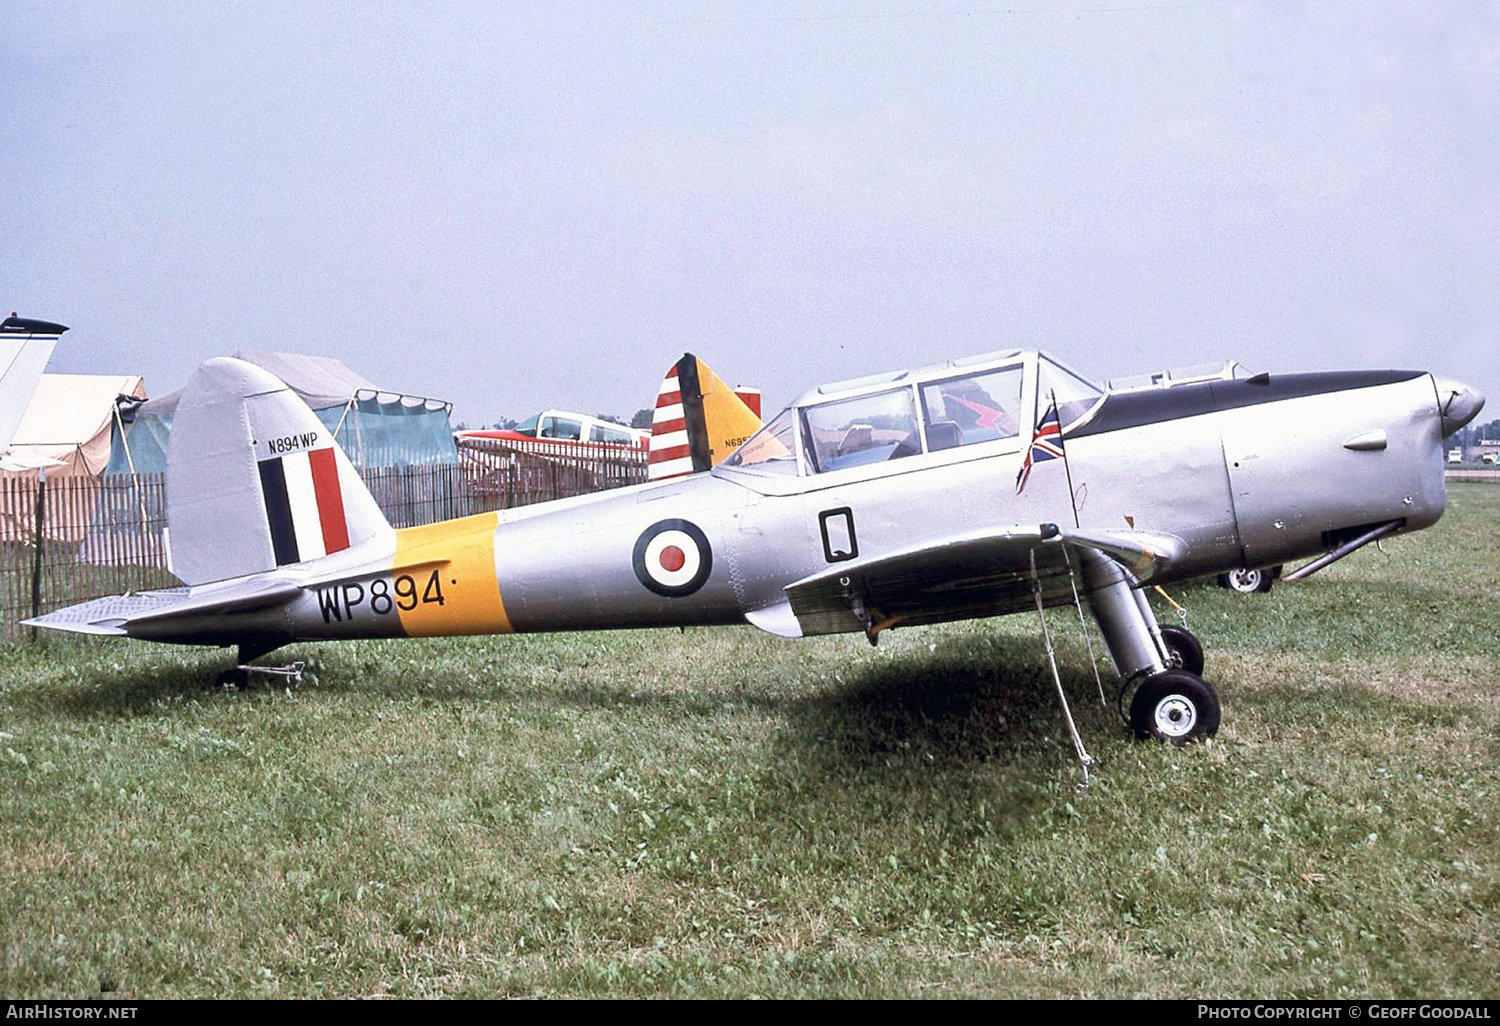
(561, 427)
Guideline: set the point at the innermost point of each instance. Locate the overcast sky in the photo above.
(520, 205)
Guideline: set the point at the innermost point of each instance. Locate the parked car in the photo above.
(562, 426)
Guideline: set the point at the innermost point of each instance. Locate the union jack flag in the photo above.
(1046, 444)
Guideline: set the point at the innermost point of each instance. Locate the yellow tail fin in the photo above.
(699, 420)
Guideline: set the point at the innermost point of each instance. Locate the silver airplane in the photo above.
(984, 486)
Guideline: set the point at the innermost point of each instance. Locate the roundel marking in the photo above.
(672, 558)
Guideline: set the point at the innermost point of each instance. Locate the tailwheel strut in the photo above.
(239, 677)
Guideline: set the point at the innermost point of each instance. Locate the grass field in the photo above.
(719, 813)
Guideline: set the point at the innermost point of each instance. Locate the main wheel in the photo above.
(1247, 582)
(1174, 706)
(1184, 650)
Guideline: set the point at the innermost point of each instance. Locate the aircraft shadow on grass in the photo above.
(104, 692)
(972, 702)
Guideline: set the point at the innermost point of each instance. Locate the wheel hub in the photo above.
(1175, 716)
(1244, 580)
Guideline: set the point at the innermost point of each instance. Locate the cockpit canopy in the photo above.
(990, 399)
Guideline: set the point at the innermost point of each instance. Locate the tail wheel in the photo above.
(236, 679)
(1174, 706)
(1184, 650)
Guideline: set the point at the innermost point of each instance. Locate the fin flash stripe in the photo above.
(325, 475)
(304, 505)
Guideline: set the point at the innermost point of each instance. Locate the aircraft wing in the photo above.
(976, 573)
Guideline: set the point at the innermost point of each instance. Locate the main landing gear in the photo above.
(1174, 705)
(1184, 650)
(1171, 702)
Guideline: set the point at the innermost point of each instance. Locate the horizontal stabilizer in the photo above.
(104, 615)
(114, 614)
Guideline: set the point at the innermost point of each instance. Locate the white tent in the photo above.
(376, 427)
(70, 417)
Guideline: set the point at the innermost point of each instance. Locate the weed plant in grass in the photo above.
(719, 813)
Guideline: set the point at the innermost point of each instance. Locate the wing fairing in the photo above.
(977, 573)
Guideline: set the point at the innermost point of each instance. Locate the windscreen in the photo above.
(1075, 395)
(772, 449)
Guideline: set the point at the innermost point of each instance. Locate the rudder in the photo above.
(25, 347)
(255, 481)
(698, 420)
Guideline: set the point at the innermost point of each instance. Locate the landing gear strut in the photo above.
(239, 677)
(1171, 703)
(1184, 650)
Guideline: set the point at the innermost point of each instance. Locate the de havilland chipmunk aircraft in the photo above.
(896, 500)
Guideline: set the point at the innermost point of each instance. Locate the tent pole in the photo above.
(36, 566)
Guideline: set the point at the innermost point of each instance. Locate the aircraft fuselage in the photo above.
(1244, 473)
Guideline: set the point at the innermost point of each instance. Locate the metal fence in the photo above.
(518, 472)
(72, 538)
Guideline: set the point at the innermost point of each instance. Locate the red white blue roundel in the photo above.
(672, 558)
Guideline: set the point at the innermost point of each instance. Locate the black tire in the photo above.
(1174, 706)
(1247, 582)
(1184, 650)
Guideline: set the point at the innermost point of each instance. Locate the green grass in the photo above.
(718, 813)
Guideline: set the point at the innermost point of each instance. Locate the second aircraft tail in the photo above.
(698, 420)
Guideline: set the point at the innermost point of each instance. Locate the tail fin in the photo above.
(25, 348)
(254, 479)
(699, 420)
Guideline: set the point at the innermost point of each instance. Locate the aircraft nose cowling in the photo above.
(1457, 404)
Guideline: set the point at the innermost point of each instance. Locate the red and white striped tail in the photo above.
(670, 454)
(699, 420)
